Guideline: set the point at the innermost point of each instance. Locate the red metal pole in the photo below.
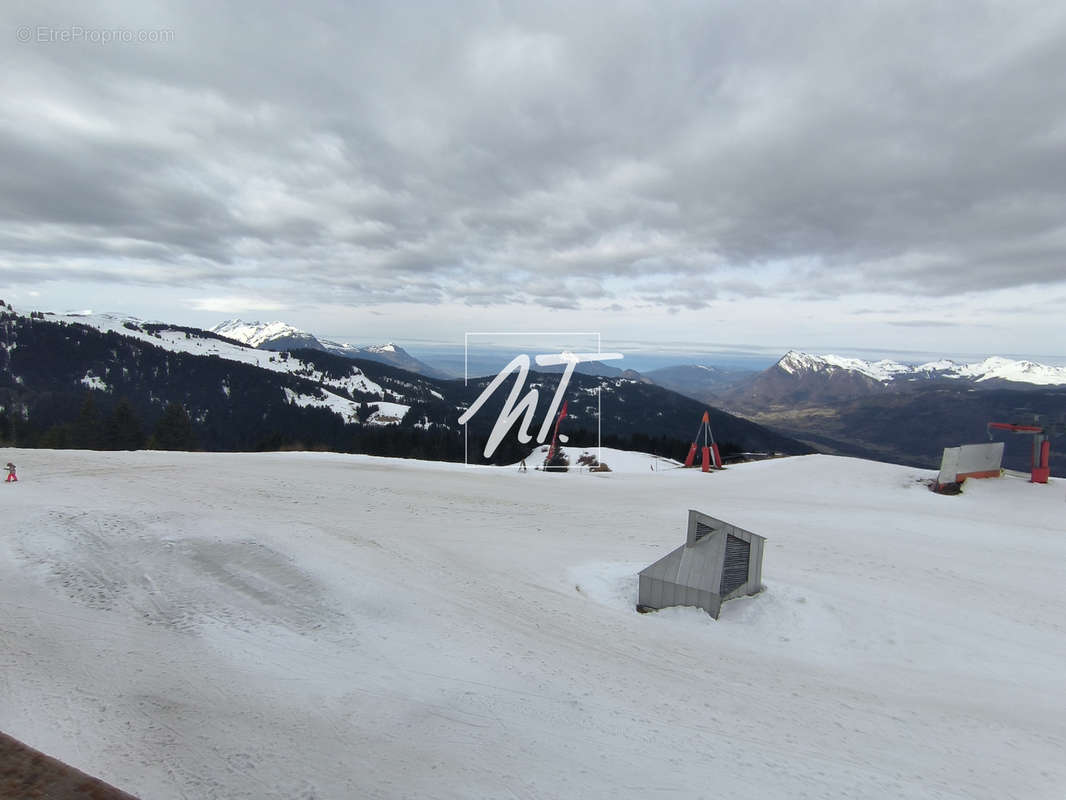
(1010, 426)
(1042, 470)
(555, 434)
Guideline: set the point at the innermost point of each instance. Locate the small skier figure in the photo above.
(523, 467)
(11, 476)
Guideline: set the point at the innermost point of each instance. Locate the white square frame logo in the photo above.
(562, 358)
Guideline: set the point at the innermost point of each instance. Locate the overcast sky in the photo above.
(821, 175)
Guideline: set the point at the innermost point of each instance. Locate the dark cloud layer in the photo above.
(546, 153)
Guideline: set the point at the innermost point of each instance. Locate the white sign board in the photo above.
(970, 461)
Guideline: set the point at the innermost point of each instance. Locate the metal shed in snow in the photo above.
(717, 562)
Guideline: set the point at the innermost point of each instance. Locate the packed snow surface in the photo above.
(342, 406)
(326, 626)
(388, 412)
(616, 460)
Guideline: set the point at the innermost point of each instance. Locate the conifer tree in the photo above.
(88, 430)
(123, 430)
(174, 430)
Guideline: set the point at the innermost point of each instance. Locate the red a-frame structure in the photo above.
(709, 445)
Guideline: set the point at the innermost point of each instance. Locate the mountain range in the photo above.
(992, 371)
(896, 412)
(59, 373)
(800, 378)
(256, 386)
(278, 336)
(795, 377)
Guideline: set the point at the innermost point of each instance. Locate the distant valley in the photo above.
(887, 410)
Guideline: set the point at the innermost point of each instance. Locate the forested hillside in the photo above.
(65, 384)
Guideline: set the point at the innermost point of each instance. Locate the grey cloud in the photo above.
(545, 154)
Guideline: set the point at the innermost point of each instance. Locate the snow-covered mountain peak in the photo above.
(941, 365)
(282, 336)
(1006, 369)
(798, 363)
(795, 362)
(256, 333)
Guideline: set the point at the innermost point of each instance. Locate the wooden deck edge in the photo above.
(27, 774)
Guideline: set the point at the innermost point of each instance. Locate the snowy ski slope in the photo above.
(327, 626)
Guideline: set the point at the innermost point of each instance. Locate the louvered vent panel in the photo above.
(735, 568)
(701, 531)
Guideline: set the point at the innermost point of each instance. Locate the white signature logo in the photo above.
(527, 406)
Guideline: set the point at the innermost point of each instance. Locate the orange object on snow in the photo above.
(709, 455)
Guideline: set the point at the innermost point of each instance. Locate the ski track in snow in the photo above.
(322, 626)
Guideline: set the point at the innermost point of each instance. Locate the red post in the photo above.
(691, 457)
(706, 459)
(555, 434)
(1042, 471)
(717, 455)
